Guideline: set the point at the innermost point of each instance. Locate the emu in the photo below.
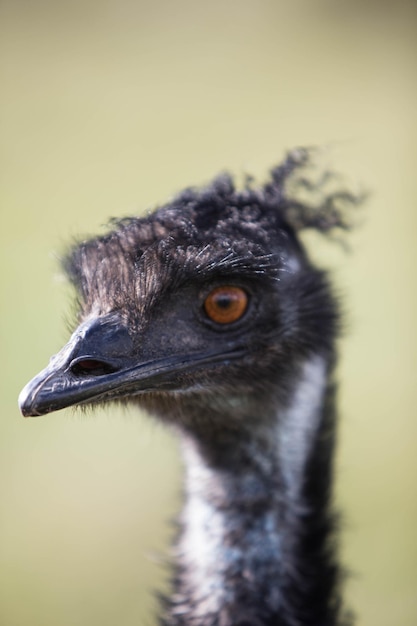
(208, 314)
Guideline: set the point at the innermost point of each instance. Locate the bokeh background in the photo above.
(111, 106)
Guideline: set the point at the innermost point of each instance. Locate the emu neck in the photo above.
(254, 543)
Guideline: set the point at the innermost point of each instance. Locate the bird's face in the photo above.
(177, 331)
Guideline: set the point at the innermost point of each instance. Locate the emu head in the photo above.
(209, 302)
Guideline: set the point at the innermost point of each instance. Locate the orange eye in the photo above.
(226, 304)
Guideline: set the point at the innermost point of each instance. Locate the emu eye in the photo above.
(226, 304)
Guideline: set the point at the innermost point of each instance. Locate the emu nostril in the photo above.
(91, 367)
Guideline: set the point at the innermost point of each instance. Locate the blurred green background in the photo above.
(108, 107)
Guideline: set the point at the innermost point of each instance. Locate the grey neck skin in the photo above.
(248, 525)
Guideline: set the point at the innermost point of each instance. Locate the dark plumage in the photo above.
(209, 314)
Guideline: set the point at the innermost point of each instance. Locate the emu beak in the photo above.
(86, 368)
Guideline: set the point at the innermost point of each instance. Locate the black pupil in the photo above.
(223, 301)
